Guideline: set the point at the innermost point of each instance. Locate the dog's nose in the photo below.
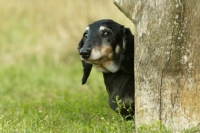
(85, 53)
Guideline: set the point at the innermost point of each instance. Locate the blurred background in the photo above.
(40, 69)
(39, 29)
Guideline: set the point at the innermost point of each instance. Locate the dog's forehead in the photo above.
(102, 25)
(87, 28)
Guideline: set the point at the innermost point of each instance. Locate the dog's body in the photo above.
(109, 47)
(122, 85)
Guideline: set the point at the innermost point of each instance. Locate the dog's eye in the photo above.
(85, 35)
(106, 33)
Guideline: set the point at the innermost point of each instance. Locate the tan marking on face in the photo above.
(87, 28)
(107, 66)
(102, 28)
(99, 68)
(95, 54)
(105, 63)
(106, 51)
(101, 54)
(117, 49)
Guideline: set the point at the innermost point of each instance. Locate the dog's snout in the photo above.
(85, 53)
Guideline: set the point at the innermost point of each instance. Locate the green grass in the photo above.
(51, 99)
(40, 70)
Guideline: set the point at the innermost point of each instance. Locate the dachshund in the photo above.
(109, 47)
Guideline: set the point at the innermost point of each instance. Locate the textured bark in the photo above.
(167, 61)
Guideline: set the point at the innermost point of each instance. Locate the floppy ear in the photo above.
(127, 55)
(86, 66)
(86, 71)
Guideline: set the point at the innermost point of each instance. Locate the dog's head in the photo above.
(108, 46)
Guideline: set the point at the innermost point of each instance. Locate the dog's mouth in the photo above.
(104, 63)
(100, 55)
(98, 61)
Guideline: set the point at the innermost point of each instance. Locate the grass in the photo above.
(40, 70)
(44, 100)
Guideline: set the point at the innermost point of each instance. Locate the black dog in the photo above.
(109, 47)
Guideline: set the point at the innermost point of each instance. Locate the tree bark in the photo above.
(167, 61)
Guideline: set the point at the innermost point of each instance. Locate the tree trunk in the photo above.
(167, 61)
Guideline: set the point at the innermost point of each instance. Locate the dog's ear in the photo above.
(127, 54)
(86, 71)
(86, 66)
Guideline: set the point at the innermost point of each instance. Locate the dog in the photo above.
(109, 47)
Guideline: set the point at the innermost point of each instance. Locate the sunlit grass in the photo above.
(40, 70)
